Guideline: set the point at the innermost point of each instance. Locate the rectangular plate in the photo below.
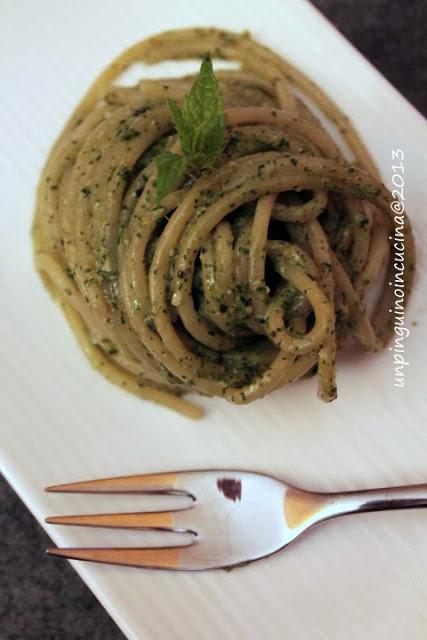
(61, 421)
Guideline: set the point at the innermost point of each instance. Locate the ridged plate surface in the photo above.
(358, 578)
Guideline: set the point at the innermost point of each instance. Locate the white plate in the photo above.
(361, 577)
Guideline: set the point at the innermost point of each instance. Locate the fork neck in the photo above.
(403, 497)
(304, 508)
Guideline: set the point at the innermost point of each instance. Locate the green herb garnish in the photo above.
(200, 125)
(170, 169)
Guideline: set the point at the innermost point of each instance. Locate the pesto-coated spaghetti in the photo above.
(250, 273)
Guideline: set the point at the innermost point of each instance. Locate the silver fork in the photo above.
(234, 517)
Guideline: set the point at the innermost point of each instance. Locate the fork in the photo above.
(233, 517)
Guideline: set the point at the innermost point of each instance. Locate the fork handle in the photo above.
(404, 497)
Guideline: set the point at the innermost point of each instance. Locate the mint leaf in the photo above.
(182, 127)
(204, 113)
(200, 125)
(170, 168)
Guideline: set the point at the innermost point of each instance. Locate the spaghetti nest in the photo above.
(249, 274)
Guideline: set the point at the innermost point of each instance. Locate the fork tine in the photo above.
(143, 483)
(155, 557)
(163, 520)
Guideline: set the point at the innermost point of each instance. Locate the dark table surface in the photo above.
(42, 600)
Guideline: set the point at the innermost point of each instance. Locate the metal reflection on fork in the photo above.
(233, 517)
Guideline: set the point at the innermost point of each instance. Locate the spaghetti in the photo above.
(247, 276)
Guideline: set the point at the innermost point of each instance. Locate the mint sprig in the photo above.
(200, 125)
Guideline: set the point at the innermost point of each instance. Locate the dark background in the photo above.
(44, 599)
